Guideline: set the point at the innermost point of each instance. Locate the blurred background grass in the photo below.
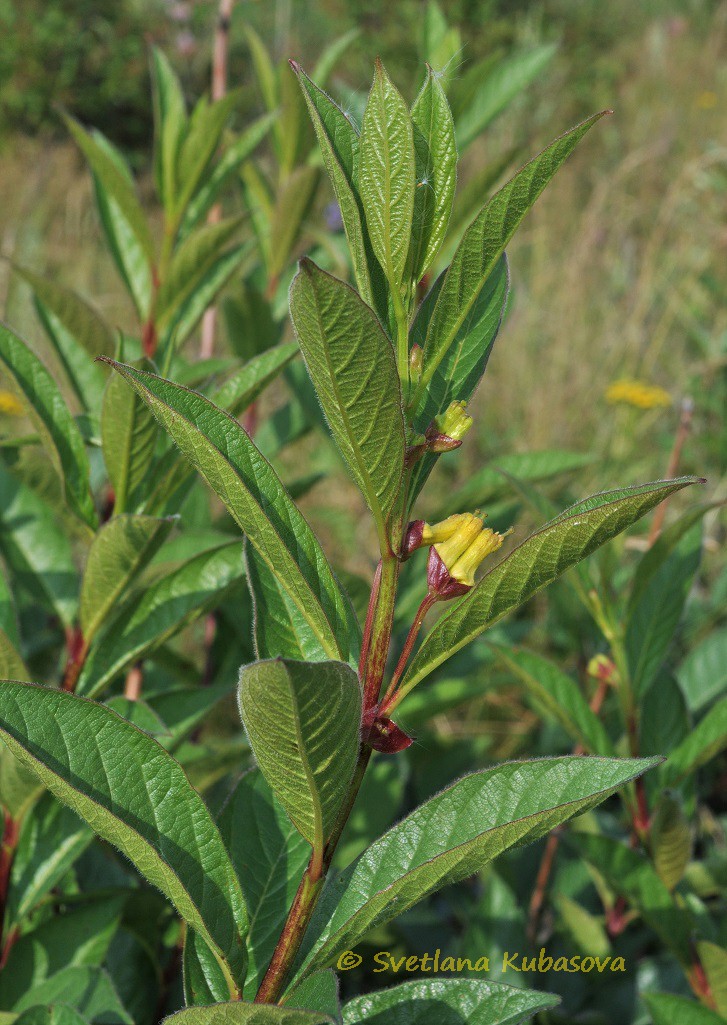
(617, 273)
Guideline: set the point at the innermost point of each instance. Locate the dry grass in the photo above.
(606, 269)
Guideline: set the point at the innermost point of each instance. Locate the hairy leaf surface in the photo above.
(135, 796)
(352, 365)
(456, 834)
(303, 721)
(554, 548)
(47, 409)
(245, 481)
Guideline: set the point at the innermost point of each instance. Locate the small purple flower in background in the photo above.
(332, 214)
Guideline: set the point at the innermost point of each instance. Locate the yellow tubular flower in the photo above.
(458, 546)
(435, 533)
(487, 542)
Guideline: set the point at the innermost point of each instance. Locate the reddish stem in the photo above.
(541, 883)
(77, 651)
(370, 612)
(389, 698)
(133, 683)
(685, 426)
(551, 848)
(11, 833)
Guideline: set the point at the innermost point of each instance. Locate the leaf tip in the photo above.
(295, 66)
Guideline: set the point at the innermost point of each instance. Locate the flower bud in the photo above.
(415, 364)
(601, 667)
(453, 423)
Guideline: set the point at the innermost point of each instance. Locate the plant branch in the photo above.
(682, 433)
(10, 836)
(219, 89)
(390, 700)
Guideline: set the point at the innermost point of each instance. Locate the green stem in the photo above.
(314, 876)
(381, 631)
(402, 341)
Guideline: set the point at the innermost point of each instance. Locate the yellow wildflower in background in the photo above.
(707, 100)
(638, 394)
(9, 405)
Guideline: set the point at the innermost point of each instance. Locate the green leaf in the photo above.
(387, 176)
(269, 856)
(128, 438)
(76, 331)
(201, 141)
(170, 126)
(141, 803)
(558, 695)
(89, 991)
(493, 481)
(129, 254)
(339, 142)
(51, 840)
(332, 54)
(464, 363)
(482, 246)
(292, 204)
(19, 787)
(59, 1014)
(246, 1014)
(584, 928)
(58, 431)
(243, 386)
(436, 174)
(704, 743)
(629, 874)
(264, 70)
(303, 721)
(352, 365)
(661, 584)
(436, 1001)
(191, 262)
(233, 156)
(189, 313)
(291, 130)
(703, 673)
(505, 80)
(665, 1009)
(319, 992)
(454, 835)
(461, 369)
(278, 626)
(714, 962)
(231, 464)
(145, 622)
(80, 936)
(670, 839)
(12, 666)
(554, 548)
(37, 550)
(204, 980)
(121, 213)
(120, 550)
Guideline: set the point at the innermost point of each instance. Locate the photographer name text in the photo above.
(542, 962)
